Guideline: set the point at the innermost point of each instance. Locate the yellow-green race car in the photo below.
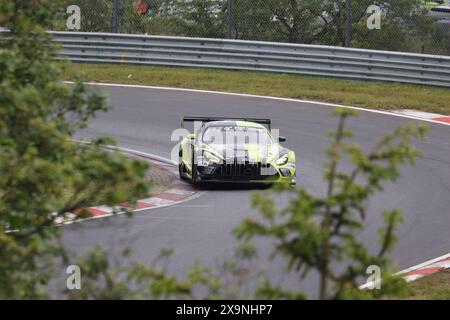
(234, 151)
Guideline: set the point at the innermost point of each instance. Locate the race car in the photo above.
(232, 150)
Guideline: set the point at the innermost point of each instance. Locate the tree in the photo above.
(252, 21)
(323, 22)
(43, 174)
(405, 26)
(96, 15)
(200, 18)
(300, 21)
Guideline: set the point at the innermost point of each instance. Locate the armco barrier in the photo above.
(337, 62)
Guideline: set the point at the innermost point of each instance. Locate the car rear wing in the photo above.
(265, 122)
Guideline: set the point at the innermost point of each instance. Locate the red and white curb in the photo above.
(178, 192)
(420, 270)
(425, 115)
(426, 268)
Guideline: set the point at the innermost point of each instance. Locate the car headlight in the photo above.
(282, 160)
(210, 158)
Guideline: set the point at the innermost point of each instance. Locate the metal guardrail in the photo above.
(337, 62)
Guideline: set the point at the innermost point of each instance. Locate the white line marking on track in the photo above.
(193, 206)
(156, 201)
(179, 192)
(263, 97)
(419, 114)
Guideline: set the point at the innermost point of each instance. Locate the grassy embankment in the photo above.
(432, 287)
(373, 95)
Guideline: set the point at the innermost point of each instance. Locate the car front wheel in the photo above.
(194, 175)
(180, 171)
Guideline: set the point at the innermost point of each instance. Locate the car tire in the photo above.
(181, 168)
(180, 171)
(194, 175)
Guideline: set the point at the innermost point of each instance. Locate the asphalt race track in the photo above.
(143, 119)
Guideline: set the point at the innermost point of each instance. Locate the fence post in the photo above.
(115, 17)
(229, 18)
(348, 23)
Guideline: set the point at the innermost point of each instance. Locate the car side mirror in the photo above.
(281, 139)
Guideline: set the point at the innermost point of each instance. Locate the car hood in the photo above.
(246, 152)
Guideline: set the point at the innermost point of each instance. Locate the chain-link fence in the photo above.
(400, 25)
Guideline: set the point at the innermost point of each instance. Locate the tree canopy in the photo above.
(43, 173)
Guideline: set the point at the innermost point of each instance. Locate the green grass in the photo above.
(373, 95)
(432, 287)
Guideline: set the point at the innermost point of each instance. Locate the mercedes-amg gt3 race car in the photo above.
(234, 150)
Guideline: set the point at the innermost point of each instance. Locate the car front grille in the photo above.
(246, 171)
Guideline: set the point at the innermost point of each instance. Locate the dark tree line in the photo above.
(406, 24)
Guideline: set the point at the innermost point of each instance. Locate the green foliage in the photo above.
(201, 18)
(298, 21)
(99, 280)
(431, 287)
(196, 18)
(314, 22)
(321, 232)
(406, 24)
(96, 15)
(38, 161)
(102, 279)
(204, 18)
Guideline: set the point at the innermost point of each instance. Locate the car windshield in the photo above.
(236, 135)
